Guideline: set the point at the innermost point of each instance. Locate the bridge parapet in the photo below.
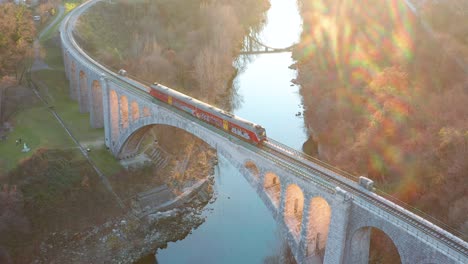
(317, 219)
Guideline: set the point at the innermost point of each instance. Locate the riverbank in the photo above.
(127, 239)
(189, 46)
(52, 198)
(386, 103)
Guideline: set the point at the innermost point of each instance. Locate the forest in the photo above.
(178, 43)
(187, 45)
(386, 98)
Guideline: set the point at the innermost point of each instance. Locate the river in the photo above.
(238, 227)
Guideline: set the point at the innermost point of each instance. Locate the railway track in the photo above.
(306, 167)
(313, 166)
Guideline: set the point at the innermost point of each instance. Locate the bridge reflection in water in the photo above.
(253, 46)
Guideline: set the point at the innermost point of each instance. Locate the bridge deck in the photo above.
(298, 163)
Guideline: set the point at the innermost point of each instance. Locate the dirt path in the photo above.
(38, 63)
(51, 24)
(41, 65)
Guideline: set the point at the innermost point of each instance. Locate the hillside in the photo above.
(383, 99)
(187, 45)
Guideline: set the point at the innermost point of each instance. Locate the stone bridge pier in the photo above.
(86, 88)
(319, 221)
(319, 224)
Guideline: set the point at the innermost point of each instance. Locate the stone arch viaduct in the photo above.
(322, 213)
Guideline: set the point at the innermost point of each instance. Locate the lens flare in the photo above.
(360, 46)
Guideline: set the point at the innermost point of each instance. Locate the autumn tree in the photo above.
(44, 8)
(213, 67)
(16, 37)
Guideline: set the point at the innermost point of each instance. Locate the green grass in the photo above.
(38, 128)
(105, 161)
(53, 56)
(54, 87)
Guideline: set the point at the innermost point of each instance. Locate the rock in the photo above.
(160, 215)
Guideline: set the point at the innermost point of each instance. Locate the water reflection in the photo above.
(239, 228)
(270, 100)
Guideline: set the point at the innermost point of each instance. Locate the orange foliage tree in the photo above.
(17, 32)
(16, 36)
(383, 100)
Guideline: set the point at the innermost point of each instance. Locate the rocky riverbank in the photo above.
(61, 213)
(132, 236)
(126, 239)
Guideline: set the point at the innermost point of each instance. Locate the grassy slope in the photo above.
(54, 87)
(39, 128)
(56, 197)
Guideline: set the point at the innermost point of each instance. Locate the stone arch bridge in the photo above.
(324, 215)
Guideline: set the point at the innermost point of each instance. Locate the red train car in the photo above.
(239, 127)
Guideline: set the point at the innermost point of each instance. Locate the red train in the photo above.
(232, 124)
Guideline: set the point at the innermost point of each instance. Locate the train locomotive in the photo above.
(248, 131)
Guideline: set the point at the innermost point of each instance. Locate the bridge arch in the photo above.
(132, 144)
(97, 107)
(272, 186)
(368, 216)
(146, 112)
(252, 168)
(114, 115)
(84, 104)
(293, 209)
(366, 237)
(130, 138)
(124, 112)
(135, 111)
(73, 80)
(318, 226)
